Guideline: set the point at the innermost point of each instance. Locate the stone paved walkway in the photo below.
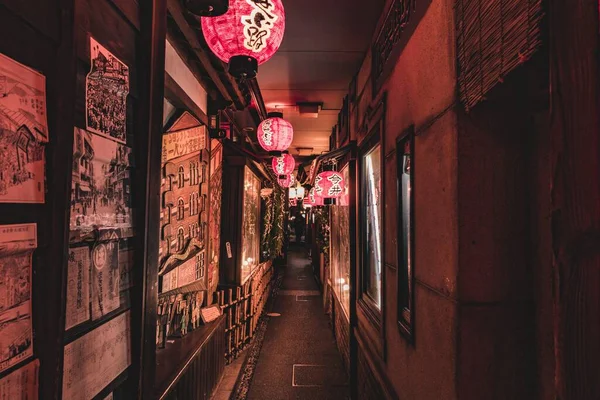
(299, 358)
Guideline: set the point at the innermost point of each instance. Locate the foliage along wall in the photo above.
(273, 211)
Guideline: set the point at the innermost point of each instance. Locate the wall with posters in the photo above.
(75, 144)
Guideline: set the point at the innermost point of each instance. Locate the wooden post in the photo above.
(575, 193)
(153, 23)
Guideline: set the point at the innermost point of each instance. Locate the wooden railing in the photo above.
(242, 307)
(190, 368)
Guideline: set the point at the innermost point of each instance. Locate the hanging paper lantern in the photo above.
(292, 193)
(329, 184)
(288, 181)
(283, 165)
(314, 199)
(300, 192)
(275, 134)
(247, 35)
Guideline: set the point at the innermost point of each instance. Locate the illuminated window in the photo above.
(371, 226)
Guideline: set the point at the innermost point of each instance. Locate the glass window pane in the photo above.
(340, 246)
(372, 263)
(250, 225)
(405, 269)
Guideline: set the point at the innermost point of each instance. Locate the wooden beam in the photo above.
(180, 99)
(575, 195)
(178, 14)
(153, 23)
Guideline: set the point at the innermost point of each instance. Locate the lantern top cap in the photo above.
(275, 114)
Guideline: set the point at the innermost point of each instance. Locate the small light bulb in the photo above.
(346, 287)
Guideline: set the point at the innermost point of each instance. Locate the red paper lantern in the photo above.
(288, 181)
(329, 184)
(314, 199)
(247, 35)
(275, 134)
(283, 165)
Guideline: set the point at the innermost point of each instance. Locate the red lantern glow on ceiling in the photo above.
(329, 184)
(247, 35)
(275, 134)
(283, 165)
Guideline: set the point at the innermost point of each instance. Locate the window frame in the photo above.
(406, 327)
(366, 304)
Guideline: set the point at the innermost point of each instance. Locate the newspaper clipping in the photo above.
(94, 360)
(107, 86)
(105, 278)
(17, 243)
(78, 283)
(21, 384)
(23, 132)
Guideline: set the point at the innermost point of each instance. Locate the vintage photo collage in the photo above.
(101, 226)
(23, 136)
(100, 255)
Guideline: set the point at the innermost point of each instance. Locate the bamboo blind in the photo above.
(493, 38)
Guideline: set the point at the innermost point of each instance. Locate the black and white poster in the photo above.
(101, 186)
(23, 132)
(17, 243)
(78, 287)
(107, 86)
(105, 278)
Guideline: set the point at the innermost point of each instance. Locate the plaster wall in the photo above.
(421, 91)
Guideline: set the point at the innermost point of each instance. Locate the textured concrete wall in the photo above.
(421, 91)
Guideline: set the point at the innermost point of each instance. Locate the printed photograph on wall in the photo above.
(22, 383)
(101, 186)
(17, 243)
(78, 282)
(23, 131)
(106, 89)
(105, 278)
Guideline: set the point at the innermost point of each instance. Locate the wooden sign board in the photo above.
(209, 314)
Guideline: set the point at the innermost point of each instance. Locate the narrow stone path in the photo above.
(298, 358)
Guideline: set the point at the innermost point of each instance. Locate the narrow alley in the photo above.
(299, 358)
(299, 199)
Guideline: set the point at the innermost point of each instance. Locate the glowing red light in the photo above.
(275, 134)
(252, 28)
(287, 182)
(329, 184)
(283, 165)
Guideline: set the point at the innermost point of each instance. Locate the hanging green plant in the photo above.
(273, 224)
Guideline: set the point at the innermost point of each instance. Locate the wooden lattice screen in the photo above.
(493, 38)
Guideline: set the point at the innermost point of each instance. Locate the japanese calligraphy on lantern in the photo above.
(97, 358)
(106, 89)
(177, 144)
(259, 24)
(21, 384)
(78, 281)
(17, 243)
(23, 131)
